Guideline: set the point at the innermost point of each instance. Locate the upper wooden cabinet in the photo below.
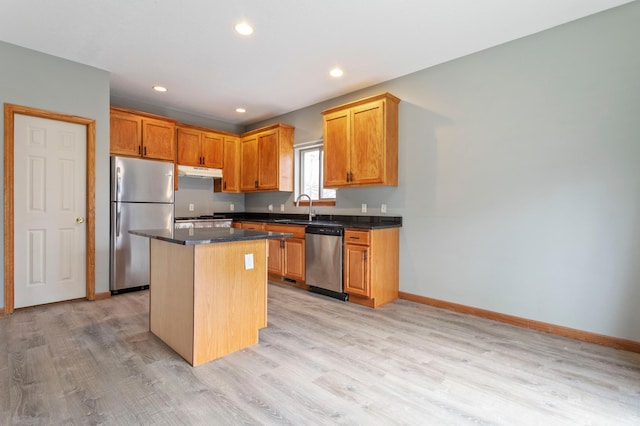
(266, 159)
(200, 147)
(361, 143)
(231, 164)
(138, 135)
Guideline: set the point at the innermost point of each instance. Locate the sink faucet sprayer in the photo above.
(310, 202)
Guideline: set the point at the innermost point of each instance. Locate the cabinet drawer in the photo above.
(258, 226)
(351, 236)
(296, 230)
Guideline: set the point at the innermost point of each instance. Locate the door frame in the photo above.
(9, 114)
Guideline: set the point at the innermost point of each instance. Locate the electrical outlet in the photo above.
(383, 208)
(364, 207)
(191, 207)
(281, 207)
(232, 207)
(248, 261)
(270, 208)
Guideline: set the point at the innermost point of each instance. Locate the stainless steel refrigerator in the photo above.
(141, 198)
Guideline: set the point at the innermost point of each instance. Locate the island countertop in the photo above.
(195, 236)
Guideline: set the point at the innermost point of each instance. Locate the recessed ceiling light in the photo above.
(336, 72)
(159, 88)
(244, 28)
(241, 110)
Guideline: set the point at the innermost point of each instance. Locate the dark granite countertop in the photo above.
(358, 222)
(195, 236)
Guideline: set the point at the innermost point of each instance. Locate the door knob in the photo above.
(79, 219)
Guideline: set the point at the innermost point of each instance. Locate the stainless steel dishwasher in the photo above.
(323, 260)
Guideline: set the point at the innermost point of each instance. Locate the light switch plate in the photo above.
(248, 261)
(281, 207)
(270, 208)
(364, 207)
(191, 207)
(383, 208)
(232, 207)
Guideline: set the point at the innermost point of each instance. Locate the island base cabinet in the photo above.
(372, 265)
(205, 300)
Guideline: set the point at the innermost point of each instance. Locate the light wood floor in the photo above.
(320, 361)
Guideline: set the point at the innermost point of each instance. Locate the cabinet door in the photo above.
(249, 164)
(268, 160)
(356, 270)
(189, 147)
(158, 139)
(231, 166)
(274, 261)
(367, 156)
(336, 149)
(294, 258)
(211, 149)
(126, 134)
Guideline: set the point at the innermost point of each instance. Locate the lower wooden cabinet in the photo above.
(372, 265)
(286, 256)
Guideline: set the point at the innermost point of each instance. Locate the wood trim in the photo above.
(143, 114)
(316, 203)
(102, 295)
(362, 300)
(8, 209)
(586, 336)
(279, 279)
(9, 112)
(204, 129)
(276, 126)
(362, 101)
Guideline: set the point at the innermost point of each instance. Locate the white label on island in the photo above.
(248, 261)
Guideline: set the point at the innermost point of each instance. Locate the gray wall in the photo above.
(181, 116)
(33, 79)
(519, 176)
(199, 192)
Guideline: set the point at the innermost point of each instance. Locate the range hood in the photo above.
(199, 172)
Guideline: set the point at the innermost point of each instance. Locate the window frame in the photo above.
(300, 151)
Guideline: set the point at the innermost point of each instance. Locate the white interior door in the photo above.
(49, 210)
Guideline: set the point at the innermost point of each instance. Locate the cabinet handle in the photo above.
(145, 151)
(347, 176)
(224, 184)
(139, 150)
(354, 238)
(365, 255)
(350, 177)
(255, 184)
(281, 244)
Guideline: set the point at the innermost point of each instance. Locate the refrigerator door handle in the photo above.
(117, 220)
(118, 178)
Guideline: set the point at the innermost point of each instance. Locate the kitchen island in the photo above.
(208, 289)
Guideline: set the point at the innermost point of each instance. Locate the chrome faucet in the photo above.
(310, 202)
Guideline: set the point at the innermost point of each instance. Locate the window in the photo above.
(310, 160)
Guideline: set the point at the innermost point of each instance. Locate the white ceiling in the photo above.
(190, 46)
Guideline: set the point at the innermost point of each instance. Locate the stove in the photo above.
(203, 221)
